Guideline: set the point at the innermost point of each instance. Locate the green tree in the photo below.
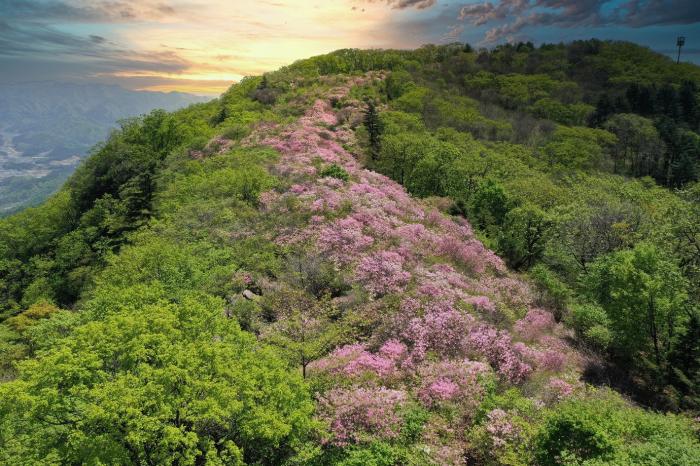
(157, 384)
(639, 147)
(524, 235)
(643, 294)
(302, 327)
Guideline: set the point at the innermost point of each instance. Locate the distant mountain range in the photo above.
(47, 127)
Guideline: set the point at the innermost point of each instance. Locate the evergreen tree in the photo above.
(688, 102)
(374, 129)
(604, 108)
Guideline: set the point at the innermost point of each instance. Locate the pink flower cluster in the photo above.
(498, 349)
(343, 240)
(499, 427)
(382, 273)
(353, 360)
(535, 324)
(558, 389)
(457, 381)
(442, 330)
(360, 414)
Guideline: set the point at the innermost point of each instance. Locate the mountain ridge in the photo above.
(350, 262)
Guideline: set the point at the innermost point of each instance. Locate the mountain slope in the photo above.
(229, 284)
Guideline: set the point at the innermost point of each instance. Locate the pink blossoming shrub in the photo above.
(394, 350)
(498, 349)
(467, 254)
(535, 324)
(551, 360)
(557, 390)
(382, 273)
(343, 240)
(546, 359)
(354, 360)
(499, 428)
(442, 330)
(361, 414)
(443, 282)
(457, 381)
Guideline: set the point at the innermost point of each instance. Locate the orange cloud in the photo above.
(222, 42)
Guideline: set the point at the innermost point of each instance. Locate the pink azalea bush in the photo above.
(382, 273)
(343, 240)
(353, 360)
(442, 330)
(357, 415)
(535, 324)
(457, 381)
(498, 349)
(558, 389)
(499, 428)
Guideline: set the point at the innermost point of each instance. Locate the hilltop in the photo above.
(440, 256)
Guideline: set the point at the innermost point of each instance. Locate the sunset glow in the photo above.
(204, 46)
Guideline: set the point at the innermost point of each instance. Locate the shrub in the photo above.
(604, 429)
(552, 292)
(236, 132)
(335, 171)
(590, 322)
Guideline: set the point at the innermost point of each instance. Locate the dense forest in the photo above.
(440, 256)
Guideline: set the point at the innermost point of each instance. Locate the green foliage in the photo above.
(643, 294)
(335, 171)
(524, 236)
(578, 147)
(165, 383)
(591, 324)
(552, 292)
(398, 83)
(489, 205)
(602, 429)
(374, 129)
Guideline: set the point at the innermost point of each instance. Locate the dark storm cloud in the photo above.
(511, 16)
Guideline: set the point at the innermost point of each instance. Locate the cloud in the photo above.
(509, 17)
(403, 4)
(640, 13)
(453, 33)
(86, 11)
(46, 43)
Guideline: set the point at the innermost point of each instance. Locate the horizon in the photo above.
(203, 47)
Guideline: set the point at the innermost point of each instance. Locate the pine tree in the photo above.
(374, 129)
(688, 101)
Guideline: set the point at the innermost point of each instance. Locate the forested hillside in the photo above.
(441, 256)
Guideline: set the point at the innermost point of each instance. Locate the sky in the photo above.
(203, 47)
